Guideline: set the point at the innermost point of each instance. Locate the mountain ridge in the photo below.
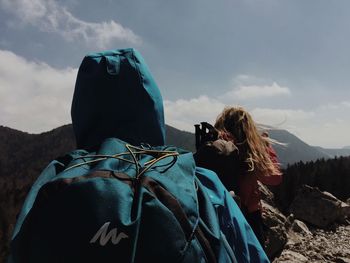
(291, 150)
(333, 152)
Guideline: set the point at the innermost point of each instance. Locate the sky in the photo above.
(286, 61)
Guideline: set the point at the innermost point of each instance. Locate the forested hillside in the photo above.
(331, 175)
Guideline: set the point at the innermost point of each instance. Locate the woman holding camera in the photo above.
(255, 159)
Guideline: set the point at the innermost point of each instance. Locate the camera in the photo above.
(205, 132)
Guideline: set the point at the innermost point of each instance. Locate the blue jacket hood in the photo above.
(116, 96)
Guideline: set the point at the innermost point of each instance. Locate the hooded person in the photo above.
(109, 200)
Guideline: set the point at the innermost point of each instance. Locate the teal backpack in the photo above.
(123, 204)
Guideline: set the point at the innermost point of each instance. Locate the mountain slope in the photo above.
(180, 139)
(334, 152)
(295, 149)
(24, 155)
(19, 150)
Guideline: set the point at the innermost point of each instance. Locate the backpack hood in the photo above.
(116, 96)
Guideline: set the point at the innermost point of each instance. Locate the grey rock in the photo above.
(295, 239)
(272, 216)
(348, 201)
(317, 208)
(342, 260)
(266, 194)
(276, 234)
(300, 227)
(345, 210)
(289, 256)
(276, 239)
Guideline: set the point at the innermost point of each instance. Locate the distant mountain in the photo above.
(22, 158)
(291, 150)
(19, 150)
(295, 150)
(182, 139)
(345, 151)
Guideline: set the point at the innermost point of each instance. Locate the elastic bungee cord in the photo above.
(134, 152)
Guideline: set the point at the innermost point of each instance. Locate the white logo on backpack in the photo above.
(105, 237)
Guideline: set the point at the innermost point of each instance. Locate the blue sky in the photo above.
(286, 61)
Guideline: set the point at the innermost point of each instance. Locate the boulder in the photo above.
(342, 260)
(289, 221)
(276, 234)
(297, 233)
(318, 208)
(300, 227)
(266, 194)
(276, 238)
(289, 256)
(348, 201)
(271, 215)
(344, 210)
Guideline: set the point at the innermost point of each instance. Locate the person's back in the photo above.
(73, 212)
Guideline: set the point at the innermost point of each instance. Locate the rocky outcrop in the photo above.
(300, 228)
(320, 246)
(317, 230)
(275, 221)
(318, 208)
(289, 256)
(276, 233)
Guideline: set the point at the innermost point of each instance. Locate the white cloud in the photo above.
(345, 104)
(49, 16)
(281, 117)
(183, 114)
(246, 92)
(244, 78)
(34, 97)
(320, 126)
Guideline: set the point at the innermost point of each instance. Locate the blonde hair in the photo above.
(251, 144)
